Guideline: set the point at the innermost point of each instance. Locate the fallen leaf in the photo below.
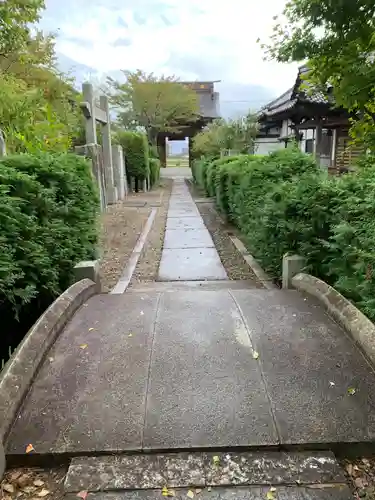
(43, 493)
(14, 475)
(351, 391)
(83, 346)
(190, 494)
(38, 482)
(130, 335)
(28, 489)
(171, 493)
(255, 354)
(82, 494)
(164, 491)
(270, 495)
(209, 488)
(29, 448)
(9, 488)
(332, 384)
(216, 460)
(198, 490)
(50, 360)
(91, 329)
(273, 489)
(359, 483)
(24, 479)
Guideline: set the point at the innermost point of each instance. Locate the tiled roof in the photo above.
(293, 96)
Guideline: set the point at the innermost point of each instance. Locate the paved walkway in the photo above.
(189, 253)
(173, 370)
(175, 366)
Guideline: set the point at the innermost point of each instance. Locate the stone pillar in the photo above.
(90, 121)
(88, 269)
(292, 265)
(107, 153)
(93, 151)
(118, 171)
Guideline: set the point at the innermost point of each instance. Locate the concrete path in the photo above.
(189, 253)
(176, 370)
(190, 369)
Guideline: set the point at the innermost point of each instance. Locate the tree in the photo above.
(222, 135)
(337, 37)
(157, 104)
(15, 19)
(37, 110)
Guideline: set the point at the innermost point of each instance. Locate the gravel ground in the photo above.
(235, 265)
(148, 264)
(121, 226)
(33, 484)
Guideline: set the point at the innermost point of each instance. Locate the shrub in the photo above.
(48, 219)
(285, 203)
(136, 150)
(154, 171)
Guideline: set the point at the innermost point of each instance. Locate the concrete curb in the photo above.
(342, 310)
(254, 265)
(19, 372)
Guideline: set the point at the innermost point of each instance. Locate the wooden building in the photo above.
(209, 110)
(311, 118)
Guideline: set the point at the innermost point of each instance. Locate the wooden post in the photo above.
(318, 140)
(3, 149)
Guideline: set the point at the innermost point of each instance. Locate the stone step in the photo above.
(326, 492)
(206, 470)
(173, 286)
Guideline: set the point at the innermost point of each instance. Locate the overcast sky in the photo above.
(193, 40)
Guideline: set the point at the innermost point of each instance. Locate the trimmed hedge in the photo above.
(48, 222)
(154, 171)
(284, 202)
(136, 150)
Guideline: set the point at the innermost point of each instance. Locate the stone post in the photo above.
(93, 151)
(292, 265)
(88, 269)
(118, 171)
(90, 122)
(111, 191)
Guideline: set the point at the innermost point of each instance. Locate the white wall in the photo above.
(265, 145)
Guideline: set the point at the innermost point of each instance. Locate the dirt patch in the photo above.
(235, 265)
(148, 264)
(33, 484)
(361, 476)
(121, 226)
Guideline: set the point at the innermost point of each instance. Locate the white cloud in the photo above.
(192, 39)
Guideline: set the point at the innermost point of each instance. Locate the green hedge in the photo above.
(136, 150)
(154, 171)
(284, 202)
(48, 222)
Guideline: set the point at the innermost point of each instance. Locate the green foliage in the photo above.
(154, 170)
(338, 40)
(39, 109)
(15, 19)
(136, 151)
(48, 222)
(284, 202)
(159, 104)
(222, 135)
